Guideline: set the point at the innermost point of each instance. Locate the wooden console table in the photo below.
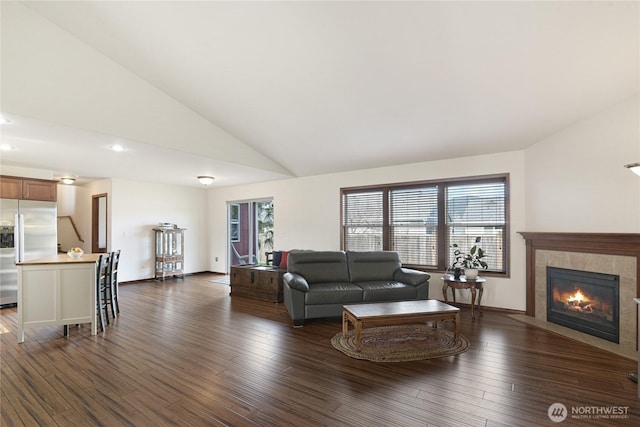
(258, 282)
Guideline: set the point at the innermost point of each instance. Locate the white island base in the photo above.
(57, 290)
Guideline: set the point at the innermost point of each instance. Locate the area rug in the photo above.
(222, 280)
(401, 343)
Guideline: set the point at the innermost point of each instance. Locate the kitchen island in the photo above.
(57, 290)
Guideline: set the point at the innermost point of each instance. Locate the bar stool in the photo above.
(102, 289)
(113, 283)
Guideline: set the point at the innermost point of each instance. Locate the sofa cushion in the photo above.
(319, 266)
(284, 256)
(372, 265)
(387, 291)
(277, 257)
(333, 293)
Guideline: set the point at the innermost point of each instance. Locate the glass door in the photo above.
(250, 231)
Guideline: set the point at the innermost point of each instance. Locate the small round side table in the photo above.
(462, 283)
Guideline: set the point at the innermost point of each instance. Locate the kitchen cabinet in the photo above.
(13, 187)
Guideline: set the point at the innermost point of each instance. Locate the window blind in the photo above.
(477, 210)
(414, 225)
(363, 219)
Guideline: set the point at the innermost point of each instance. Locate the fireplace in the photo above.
(584, 301)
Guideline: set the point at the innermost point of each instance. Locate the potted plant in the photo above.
(471, 262)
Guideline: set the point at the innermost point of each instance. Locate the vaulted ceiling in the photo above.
(255, 91)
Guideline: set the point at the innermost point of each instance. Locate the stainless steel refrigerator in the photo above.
(28, 230)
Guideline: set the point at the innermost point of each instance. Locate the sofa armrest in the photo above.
(296, 281)
(411, 277)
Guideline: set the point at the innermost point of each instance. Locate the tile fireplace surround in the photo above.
(611, 253)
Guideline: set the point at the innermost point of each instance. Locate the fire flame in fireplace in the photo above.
(578, 302)
(577, 297)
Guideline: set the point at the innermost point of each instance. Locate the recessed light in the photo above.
(7, 147)
(116, 147)
(4, 120)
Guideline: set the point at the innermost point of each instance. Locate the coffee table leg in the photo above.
(358, 327)
(345, 324)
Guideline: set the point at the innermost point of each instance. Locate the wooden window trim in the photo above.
(442, 242)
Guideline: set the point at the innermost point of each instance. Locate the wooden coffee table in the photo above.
(397, 313)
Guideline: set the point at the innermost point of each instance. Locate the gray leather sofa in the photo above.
(318, 283)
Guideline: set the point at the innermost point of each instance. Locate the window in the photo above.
(234, 222)
(363, 221)
(421, 221)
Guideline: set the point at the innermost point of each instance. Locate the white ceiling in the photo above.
(255, 91)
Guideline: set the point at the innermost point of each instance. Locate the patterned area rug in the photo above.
(401, 343)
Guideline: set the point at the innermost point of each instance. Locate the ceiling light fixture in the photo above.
(7, 147)
(633, 167)
(68, 180)
(117, 147)
(205, 180)
(4, 120)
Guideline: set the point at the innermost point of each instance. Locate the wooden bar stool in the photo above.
(102, 289)
(113, 283)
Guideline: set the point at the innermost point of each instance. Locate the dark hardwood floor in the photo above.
(186, 353)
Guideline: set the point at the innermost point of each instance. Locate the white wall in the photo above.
(576, 181)
(307, 212)
(135, 208)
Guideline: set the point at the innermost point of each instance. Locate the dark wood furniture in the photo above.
(397, 313)
(462, 283)
(259, 282)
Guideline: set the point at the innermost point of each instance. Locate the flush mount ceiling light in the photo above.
(117, 147)
(68, 180)
(205, 180)
(633, 167)
(7, 147)
(4, 120)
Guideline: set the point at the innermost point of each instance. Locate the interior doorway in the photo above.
(99, 223)
(250, 231)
